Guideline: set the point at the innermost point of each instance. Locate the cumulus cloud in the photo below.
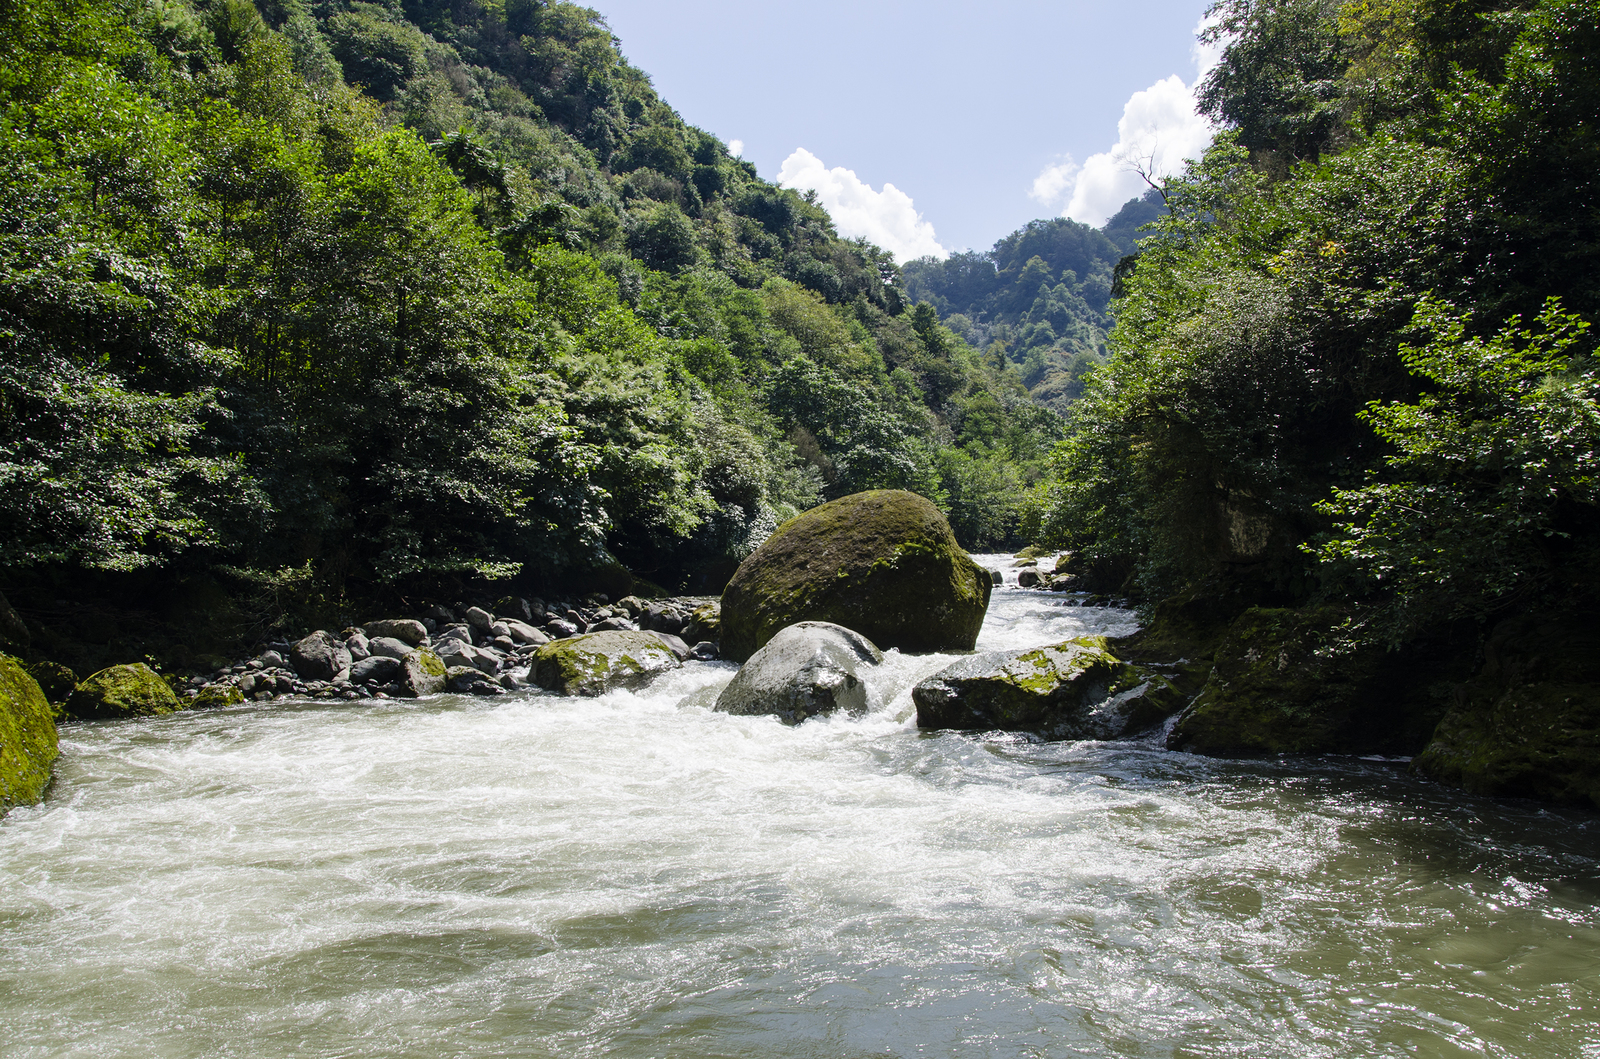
(1159, 129)
(887, 218)
(736, 147)
(1056, 182)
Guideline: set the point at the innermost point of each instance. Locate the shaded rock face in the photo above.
(1283, 682)
(1528, 725)
(1076, 689)
(27, 737)
(377, 669)
(883, 563)
(594, 663)
(319, 657)
(123, 691)
(808, 669)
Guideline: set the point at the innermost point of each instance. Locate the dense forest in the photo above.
(1351, 363)
(1040, 299)
(303, 302)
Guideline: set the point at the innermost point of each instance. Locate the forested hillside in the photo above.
(1352, 372)
(1040, 299)
(311, 301)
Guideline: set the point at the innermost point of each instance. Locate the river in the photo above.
(635, 875)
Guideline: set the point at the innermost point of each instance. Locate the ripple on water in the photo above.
(636, 875)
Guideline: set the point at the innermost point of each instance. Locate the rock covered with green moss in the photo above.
(1284, 681)
(422, 673)
(123, 691)
(1076, 689)
(884, 563)
(27, 736)
(594, 663)
(1529, 724)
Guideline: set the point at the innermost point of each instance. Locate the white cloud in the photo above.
(887, 218)
(1056, 182)
(736, 147)
(1159, 129)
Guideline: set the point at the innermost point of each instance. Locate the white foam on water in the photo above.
(638, 875)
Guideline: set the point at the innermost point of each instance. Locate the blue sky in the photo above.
(981, 116)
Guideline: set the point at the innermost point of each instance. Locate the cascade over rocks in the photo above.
(123, 691)
(27, 737)
(1076, 689)
(806, 670)
(594, 663)
(884, 563)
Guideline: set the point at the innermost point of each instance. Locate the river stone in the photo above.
(1052, 690)
(123, 691)
(560, 628)
(421, 673)
(27, 736)
(216, 696)
(377, 669)
(407, 630)
(883, 563)
(389, 647)
(524, 633)
(319, 657)
(705, 623)
(479, 619)
(55, 679)
(594, 663)
(806, 670)
(456, 653)
(676, 644)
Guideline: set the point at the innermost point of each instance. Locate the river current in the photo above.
(635, 875)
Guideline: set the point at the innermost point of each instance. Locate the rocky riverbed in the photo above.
(464, 648)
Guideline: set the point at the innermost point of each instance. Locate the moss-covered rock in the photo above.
(123, 691)
(27, 737)
(422, 673)
(1076, 689)
(216, 696)
(55, 680)
(596, 662)
(1283, 681)
(883, 563)
(1528, 725)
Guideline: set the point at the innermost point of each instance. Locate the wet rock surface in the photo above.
(808, 669)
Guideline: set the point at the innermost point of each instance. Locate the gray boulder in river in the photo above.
(805, 670)
(319, 657)
(412, 632)
(594, 663)
(1076, 689)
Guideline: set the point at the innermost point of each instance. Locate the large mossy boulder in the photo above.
(27, 737)
(123, 691)
(883, 563)
(594, 663)
(806, 670)
(1076, 689)
(1528, 725)
(1286, 681)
